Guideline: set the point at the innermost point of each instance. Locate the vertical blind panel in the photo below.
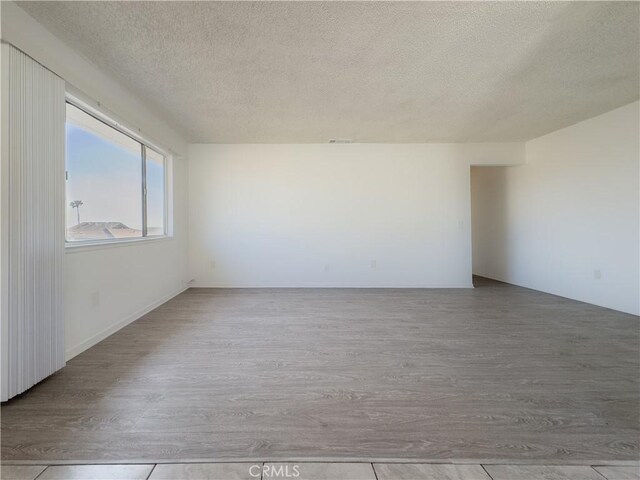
(36, 224)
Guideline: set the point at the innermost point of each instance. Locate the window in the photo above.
(115, 183)
(155, 193)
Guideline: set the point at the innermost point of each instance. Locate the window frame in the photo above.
(99, 115)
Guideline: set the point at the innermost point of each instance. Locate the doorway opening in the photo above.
(489, 224)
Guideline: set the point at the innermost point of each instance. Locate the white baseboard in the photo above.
(557, 294)
(372, 287)
(98, 337)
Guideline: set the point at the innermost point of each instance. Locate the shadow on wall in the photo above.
(491, 242)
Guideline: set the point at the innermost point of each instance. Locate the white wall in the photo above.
(570, 212)
(340, 215)
(126, 280)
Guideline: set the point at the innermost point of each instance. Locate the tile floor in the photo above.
(316, 471)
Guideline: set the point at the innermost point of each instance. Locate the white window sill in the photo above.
(87, 246)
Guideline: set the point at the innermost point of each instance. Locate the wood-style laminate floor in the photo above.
(497, 373)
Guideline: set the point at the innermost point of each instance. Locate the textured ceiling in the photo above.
(307, 72)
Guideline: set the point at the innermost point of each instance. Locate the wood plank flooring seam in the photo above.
(40, 474)
(605, 478)
(485, 471)
(374, 470)
(151, 472)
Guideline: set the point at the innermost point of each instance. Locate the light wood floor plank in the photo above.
(319, 471)
(541, 472)
(207, 471)
(96, 472)
(398, 471)
(619, 473)
(20, 472)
